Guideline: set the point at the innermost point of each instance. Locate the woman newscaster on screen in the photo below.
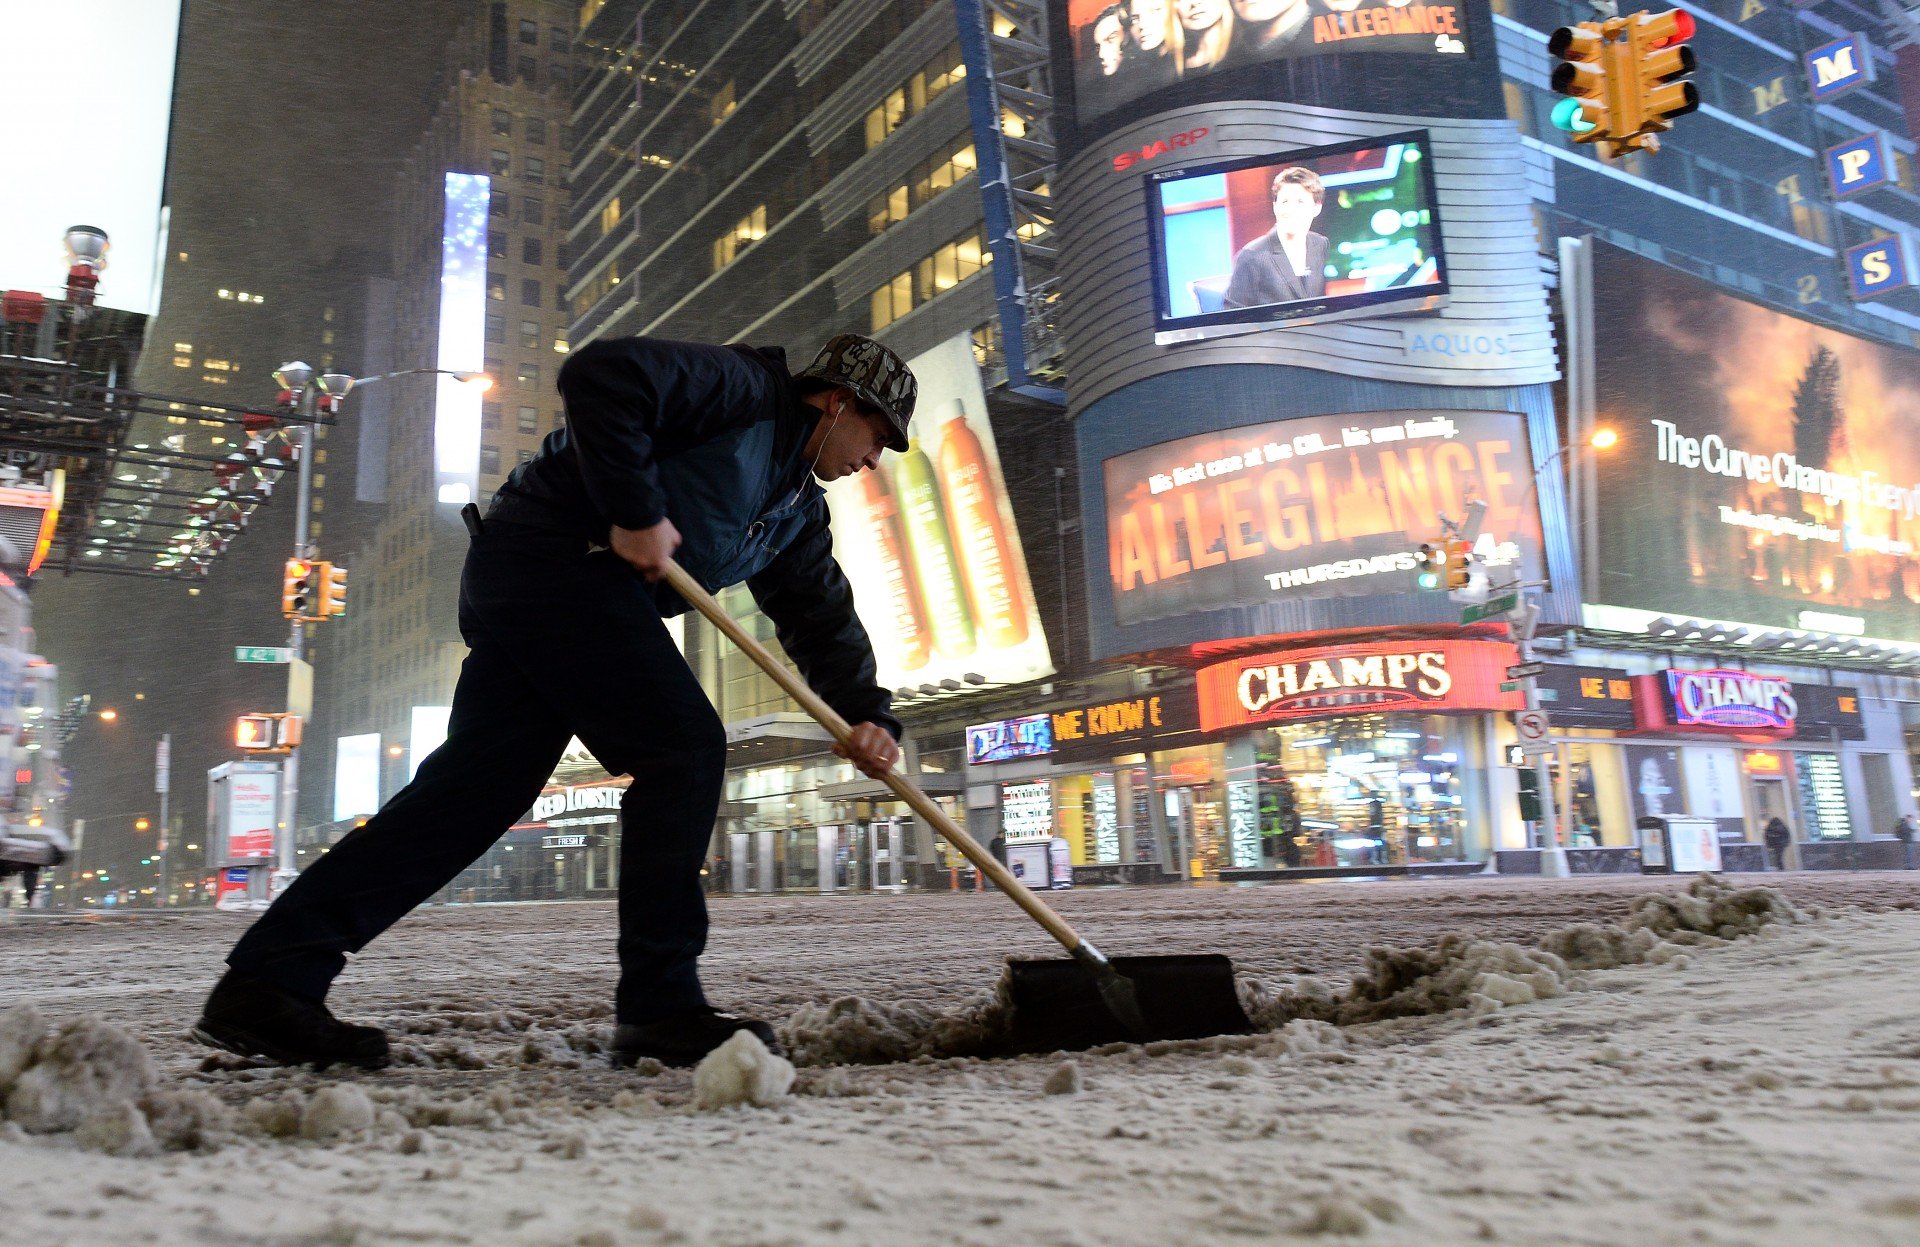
(1205, 28)
(1288, 262)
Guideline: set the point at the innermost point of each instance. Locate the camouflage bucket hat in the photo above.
(874, 373)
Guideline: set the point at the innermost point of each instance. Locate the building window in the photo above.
(610, 216)
(942, 72)
(530, 32)
(497, 246)
(750, 229)
(528, 373)
(723, 103)
(530, 71)
(924, 182)
(530, 251)
(529, 419)
(558, 39)
(495, 368)
(536, 130)
(948, 266)
(561, 346)
(536, 171)
(529, 292)
(496, 285)
(529, 334)
(497, 203)
(489, 415)
(500, 163)
(533, 211)
(892, 301)
(490, 459)
(503, 122)
(496, 327)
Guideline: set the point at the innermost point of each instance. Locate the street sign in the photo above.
(1525, 670)
(1531, 726)
(1490, 608)
(262, 653)
(1514, 686)
(1536, 748)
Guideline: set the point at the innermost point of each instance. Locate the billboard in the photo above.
(1296, 237)
(1122, 52)
(1766, 466)
(1366, 678)
(427, 731)
(929, 544)
(98, 156)
(356, 775)
(1315, 507)
(463, 338)
(253, 805)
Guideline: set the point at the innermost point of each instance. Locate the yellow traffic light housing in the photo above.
(1624, 79)
(254, 732)
(1430, 565)
(1582, 76)
(1459, 564)
(297, 589)
(333, 591)
(1660, 60)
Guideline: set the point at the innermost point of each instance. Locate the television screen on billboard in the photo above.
(1314, 507)
(463, 330)
(1123, 52)
(1766, 471)
(1299, 237)
(929, 544)
(356, 775)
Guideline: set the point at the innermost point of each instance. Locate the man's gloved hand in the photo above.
(872, 749)
(647, 549)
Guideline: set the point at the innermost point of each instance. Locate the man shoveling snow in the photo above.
(706, 453)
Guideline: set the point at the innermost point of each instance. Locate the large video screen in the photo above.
(1314, 507)
(1304, 236)
(1767, 467)
(1124, 51)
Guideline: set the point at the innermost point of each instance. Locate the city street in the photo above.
(1761, 1091)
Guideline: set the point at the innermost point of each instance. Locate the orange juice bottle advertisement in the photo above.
(910, 633)
(934, 565)
(994, 593)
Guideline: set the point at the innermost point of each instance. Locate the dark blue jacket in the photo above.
(712, 438)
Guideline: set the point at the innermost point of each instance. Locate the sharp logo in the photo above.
(1159, 147)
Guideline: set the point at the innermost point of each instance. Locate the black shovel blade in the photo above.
(1057, 1006)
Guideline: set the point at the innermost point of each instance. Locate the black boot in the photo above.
(684, 1038)
(252, 1018)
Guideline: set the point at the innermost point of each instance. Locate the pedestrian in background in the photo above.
(1778, 837)
(1905, 831)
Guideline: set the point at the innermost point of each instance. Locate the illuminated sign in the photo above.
(568, 800)
(1026, 811)
(1002, 741)
(929, 544)
(1315, 507)
(567, 840)
(1731, 699)
(1859, 165)
(463, 338)
(1579, 696)
(1355, 679)
(1878, 267)
(356, 775)
(1765, 762)
(427, 731)
(1158, 147)
(1833, 69)
(1765, 464)
(253, 804)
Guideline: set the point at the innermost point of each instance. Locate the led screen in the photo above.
(1122, 52)
(427, 732)
(1296, 237)
(356, 775)
(463, 337)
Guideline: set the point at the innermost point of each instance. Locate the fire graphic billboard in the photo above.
(1766, 466)
(929, 544)
(1319, 506)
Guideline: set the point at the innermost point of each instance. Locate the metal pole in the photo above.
(297, 643)
(166, 830)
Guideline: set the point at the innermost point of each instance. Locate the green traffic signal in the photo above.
(1571, 115)
(1429, 580)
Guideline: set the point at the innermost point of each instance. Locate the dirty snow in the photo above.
(741, 1071)
(1588, 1061)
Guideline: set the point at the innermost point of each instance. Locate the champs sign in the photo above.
(1731, 699)
(1355, 679)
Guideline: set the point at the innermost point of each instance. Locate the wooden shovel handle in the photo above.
(687, 587)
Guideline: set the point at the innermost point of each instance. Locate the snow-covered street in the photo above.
(1759, 1091)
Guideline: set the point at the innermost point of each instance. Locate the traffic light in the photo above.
(1430, 563)
(1459, 564)
(296, 589)
(333, 591)
(1581, 76)
(254, 732)
(141, 823)
(1529, 794)
(1660, 59)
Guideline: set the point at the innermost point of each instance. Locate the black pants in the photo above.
(563, 643)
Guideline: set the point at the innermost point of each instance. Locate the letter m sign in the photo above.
(1839, 67)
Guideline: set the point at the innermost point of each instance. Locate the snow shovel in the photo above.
(1056, 1005)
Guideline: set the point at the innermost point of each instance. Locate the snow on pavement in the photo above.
(1764, 1091)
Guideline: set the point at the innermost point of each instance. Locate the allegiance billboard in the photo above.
(1319, 506)
(463, 338)
(1125, 51)
(929, 544)
(1296, 237)
(1766, 466)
